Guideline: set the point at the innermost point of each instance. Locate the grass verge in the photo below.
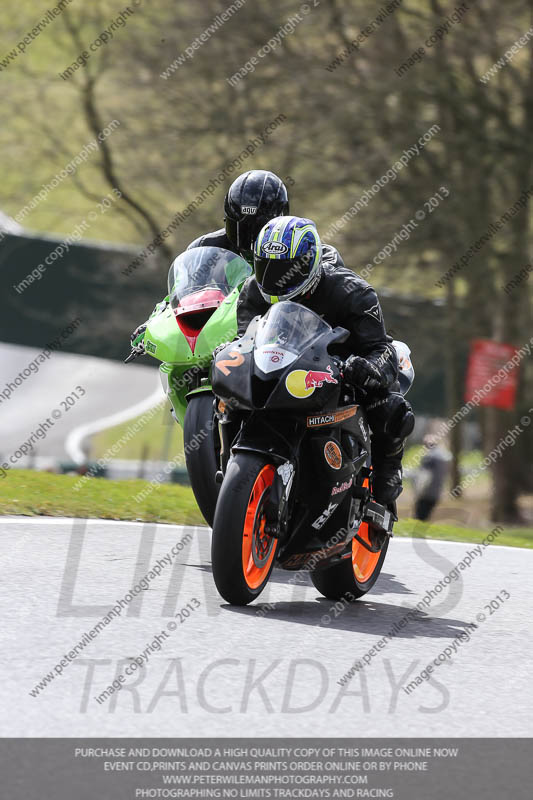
(35, 493)
(42, 493)
(512, 537)
(159, 438)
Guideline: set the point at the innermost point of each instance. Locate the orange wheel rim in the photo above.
(258, 548)
(363, 561)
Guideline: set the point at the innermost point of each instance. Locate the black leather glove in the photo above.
(363, 374)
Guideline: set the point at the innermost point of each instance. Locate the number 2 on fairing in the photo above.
(235, 361)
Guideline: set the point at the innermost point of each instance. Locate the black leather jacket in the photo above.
(213, 239)
(341, 298)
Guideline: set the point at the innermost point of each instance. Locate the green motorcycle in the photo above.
(203, 287)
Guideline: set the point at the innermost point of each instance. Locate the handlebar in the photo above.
(132, 356)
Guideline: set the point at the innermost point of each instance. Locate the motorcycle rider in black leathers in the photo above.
(340, 297)
(252, 200)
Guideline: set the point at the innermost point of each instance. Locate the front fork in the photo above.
(228, 427)
(277, 507)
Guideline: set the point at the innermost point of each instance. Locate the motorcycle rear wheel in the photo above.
(242, 554)
(355, 576)
(199, 438)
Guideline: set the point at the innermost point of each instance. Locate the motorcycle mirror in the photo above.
(339, 334)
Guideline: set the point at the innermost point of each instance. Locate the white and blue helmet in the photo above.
(287, 258)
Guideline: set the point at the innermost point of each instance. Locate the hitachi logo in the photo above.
(322, 419)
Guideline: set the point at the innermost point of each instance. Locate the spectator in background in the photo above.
(430, 478)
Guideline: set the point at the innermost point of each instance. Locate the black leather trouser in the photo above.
(391, 421)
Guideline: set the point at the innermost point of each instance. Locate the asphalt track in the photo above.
(264, 670)
(109, 387)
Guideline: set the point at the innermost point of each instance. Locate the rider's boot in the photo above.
(387, 456)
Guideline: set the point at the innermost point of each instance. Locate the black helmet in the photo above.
(252, 200)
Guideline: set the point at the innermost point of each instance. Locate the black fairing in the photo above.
(236, 377)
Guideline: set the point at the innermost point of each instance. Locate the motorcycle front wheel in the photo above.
(242, 553)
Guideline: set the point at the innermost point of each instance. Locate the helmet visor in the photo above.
(279, 277)
(242, 232)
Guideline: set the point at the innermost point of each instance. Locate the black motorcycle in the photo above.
(297, 482)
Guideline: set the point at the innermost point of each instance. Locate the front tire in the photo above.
(354, 576)
(199, 438)
(242, 553)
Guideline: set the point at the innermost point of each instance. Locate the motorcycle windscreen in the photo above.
(285, 332)
(205, 268)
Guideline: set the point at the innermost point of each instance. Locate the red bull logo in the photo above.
(317, 379)
(302, 383)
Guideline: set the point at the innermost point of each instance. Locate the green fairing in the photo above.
(173, 350)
